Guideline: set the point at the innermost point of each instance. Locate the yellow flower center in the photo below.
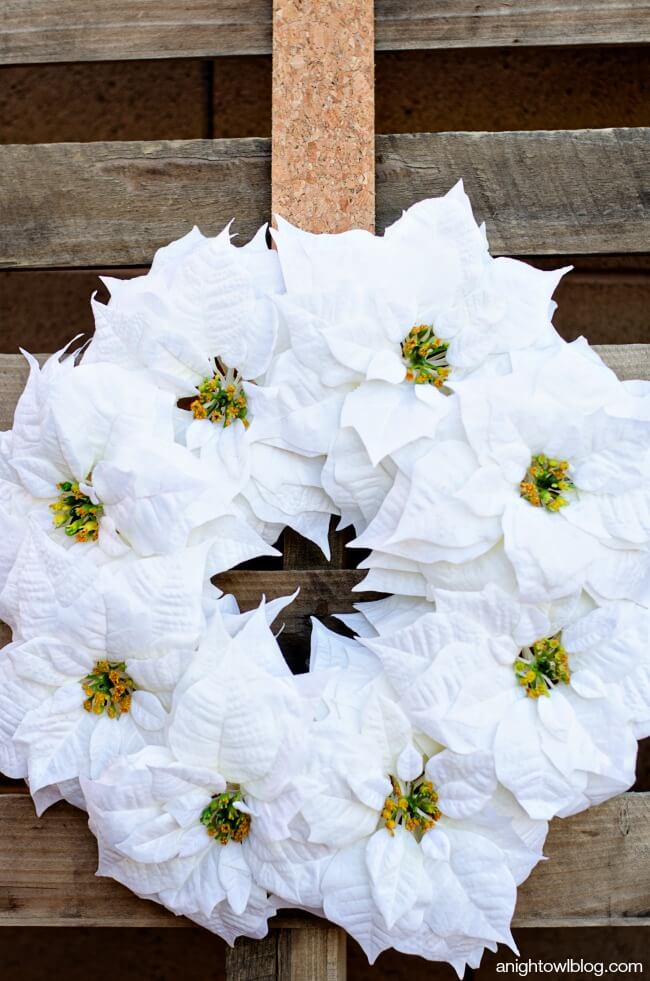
(222, 820)
(425, 356)
(221, 399)
(542, 666)
(414, 805)
(545, 482)
(76, 513)
(108, 687)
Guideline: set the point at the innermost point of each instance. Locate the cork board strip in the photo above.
(323, 113)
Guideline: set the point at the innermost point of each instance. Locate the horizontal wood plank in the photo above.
(497, 23)
(117, 30)
(579, 191)
(575, 191)
(71, 204)
(598, 873)
(34, 31)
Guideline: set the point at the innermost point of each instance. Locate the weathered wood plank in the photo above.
(88, 204)
(579, 192)
(306, 948)
(598, 873)
(34, 31)
(253, 960)
(629, 361)
(315, 950)
(467, 24)
(70, 30)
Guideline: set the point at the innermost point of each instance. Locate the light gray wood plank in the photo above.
(580, 191)
(33, 31)
(575, 191)
(72, 204)
(116, 30)
(597, 873)
(467, 24)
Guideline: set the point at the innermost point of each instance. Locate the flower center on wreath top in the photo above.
(223, 821)
(413, 804)
(221, 399)
(425, 356)
(542, 666)
(76, 513)
(108, 687)
(545, 481)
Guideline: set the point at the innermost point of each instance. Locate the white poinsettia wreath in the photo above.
(499, 479)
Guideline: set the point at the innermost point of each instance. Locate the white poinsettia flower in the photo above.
(386, 615)
(389, 573)
(201, 298)
(554, 463)
(545, 689)
(93, 459)
(424, 850)
(190, 822)
(402, 316)
(203, 324)
(356, 486)
(267, 455)
(94, 660)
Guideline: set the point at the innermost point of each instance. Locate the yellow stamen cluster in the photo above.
(425, 356)
(223, 821)
(76, 513)
(542, 666)
(221, 399)
(415, 806)
(108, 687)
(545, 481)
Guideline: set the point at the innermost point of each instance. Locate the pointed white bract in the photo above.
(544, 488)
(203, 323)
(424, 849)
(179, 822)
(543, 689)
(498, 478)
(93, 459)
(94, 661)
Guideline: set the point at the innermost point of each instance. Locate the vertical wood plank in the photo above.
(253, 960)
(313, 951)
(324, 113)
(306, 951)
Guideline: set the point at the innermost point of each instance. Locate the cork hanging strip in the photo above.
(323, 179)
(323, 168)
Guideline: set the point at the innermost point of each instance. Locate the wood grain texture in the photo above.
(467, 24)
(71, 30)
(598, 873)
(115, 203)
(305, 950)
(253, 960)
(324, 113)
(34, 31)
(580, 192)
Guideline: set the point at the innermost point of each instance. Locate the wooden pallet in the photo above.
(544, 193)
